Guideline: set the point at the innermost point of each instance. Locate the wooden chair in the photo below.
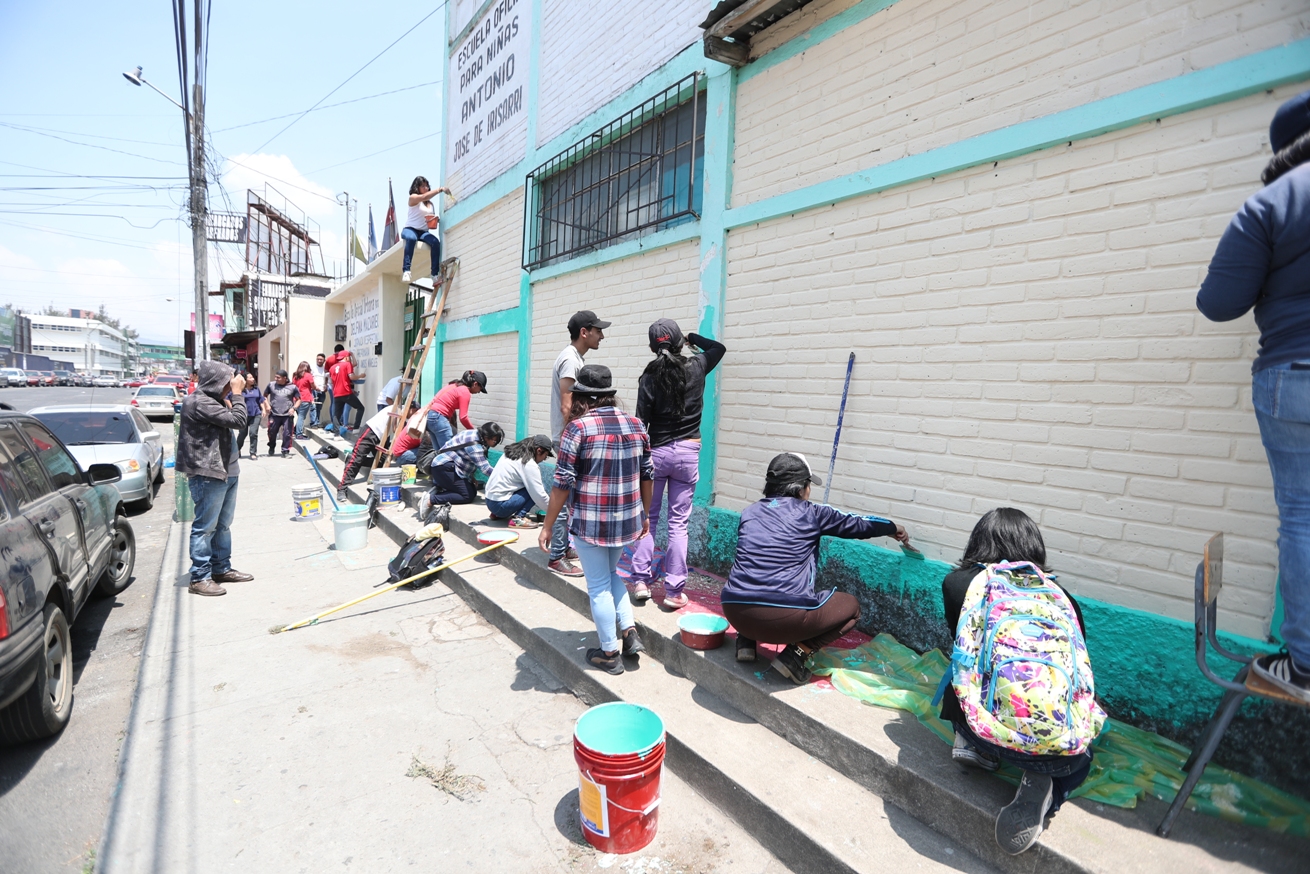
(1209, 580)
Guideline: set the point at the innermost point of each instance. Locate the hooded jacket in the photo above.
(205, 446)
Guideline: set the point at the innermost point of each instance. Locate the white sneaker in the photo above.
(424, 505)
(404, 277)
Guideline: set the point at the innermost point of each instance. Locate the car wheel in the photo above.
(159, 474)
(44, 708)
(148, 501)
(122, 559)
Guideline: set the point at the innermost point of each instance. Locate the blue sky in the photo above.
(66, 111)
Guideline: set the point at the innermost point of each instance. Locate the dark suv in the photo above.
(62, 535)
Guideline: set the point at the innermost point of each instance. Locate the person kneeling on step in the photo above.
(453, 467)
(1001, 592)
(770, 595)
(515, 487)
(367, 445)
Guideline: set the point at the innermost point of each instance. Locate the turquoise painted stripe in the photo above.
(686, 62)
(720, 122)
(648, 243)
(523, 413)
(1219, 84)
(813, 37)
(485, 325)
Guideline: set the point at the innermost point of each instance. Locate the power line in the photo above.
(57, 232)
(25, 129)
(352, 75)
(73, 133)
(372, 154)
(329, 106)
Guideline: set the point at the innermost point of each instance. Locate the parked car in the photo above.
(48, 377)
(63, 534)
(155, 401)
(33, 378)
(84, 380)
(4, 378)
(64, 377)
(133, 382)
(113, 434)
(17, 377)
(104, 382)
(170, 379)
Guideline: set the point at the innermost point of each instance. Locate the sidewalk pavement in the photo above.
(297, 751)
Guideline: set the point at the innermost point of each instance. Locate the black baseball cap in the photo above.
(790, 467)
(586, 319)
(1290, 121)
(480, 378)
(665, 332)
(594, 379)
(541, 441)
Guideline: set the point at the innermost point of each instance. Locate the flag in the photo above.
(372, 237)
(390, 233)
(356, 247)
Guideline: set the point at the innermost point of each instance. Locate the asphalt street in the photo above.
(55, 794)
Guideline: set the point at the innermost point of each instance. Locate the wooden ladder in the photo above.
(405, 402)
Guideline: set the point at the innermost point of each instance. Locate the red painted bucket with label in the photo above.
(619, 748)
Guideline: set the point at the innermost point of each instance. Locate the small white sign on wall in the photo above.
(486, 96)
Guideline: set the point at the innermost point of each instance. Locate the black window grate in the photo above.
(638, 173)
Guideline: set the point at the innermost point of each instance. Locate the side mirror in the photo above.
(103, 474)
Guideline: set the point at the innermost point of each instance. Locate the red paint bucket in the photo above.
(619, 748)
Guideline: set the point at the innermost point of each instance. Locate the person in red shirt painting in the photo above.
(451, 404)
(342, 372)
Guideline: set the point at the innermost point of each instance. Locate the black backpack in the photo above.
(415, 557)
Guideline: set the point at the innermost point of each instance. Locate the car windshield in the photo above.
(151, 391)
(87, 428)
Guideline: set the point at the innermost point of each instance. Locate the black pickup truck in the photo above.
(63, 535)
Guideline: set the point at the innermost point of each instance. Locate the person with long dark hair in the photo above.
(670, 399)
(421, 224)
(303, 380)
(515, 485)
(451, 405)
(1263, 262)
(1008, 535)
(455, 463)
(604, 471)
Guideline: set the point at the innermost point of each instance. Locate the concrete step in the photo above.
(888, 753)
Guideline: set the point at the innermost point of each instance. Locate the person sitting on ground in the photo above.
(453, 467)
(366, 446)
(515, 486)
(254, 400)
(1008, 535)
(421, 225)
(769, 596)
(605, 472)
(451, 404)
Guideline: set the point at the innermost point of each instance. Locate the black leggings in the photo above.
(815, 628)
(448, 487)
(365, 447)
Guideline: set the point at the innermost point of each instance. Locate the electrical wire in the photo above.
(73, 133)
(62, 233)
(329, 106)
(440, 6)
(373, 154)
(26, 129)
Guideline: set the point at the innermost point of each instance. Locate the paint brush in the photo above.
(910, 552)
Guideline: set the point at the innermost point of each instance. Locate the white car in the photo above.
(104, 382)
(111, 434)
(17, 377)
(155, 401)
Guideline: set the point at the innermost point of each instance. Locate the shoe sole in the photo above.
(1020, 823)
(614, 670)
(640, 597)
(1290, 688)
(972, 760)
(785, 671)
(205, 594)
(744, 656)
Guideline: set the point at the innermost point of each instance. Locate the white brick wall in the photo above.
(496, 356)
(928, 73)
(1025, 335)
(489, 245)
(631, 293)
(590, 55)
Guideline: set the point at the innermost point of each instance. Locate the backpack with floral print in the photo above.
(1020, 666)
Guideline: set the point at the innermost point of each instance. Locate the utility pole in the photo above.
(199, 192)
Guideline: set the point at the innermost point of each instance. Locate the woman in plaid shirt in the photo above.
(604, 471)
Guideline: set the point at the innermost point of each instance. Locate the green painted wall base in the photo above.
(1145, 666)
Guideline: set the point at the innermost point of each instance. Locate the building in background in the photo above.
(158, 356)
(90, 345)
(1004, 216)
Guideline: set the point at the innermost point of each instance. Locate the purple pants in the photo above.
(677, 468)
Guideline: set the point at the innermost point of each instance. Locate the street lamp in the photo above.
(195, 136)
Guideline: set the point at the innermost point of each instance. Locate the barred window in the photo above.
(640, 173)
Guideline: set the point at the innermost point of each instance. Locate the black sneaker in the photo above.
(342, 497)
(1020, 822)
(791, 664)
(632, 644)
(286, 454)
(745, 649)
(965, 753)
(1279, 670)
(612, 664)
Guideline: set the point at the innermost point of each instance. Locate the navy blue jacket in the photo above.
(1263, 261)
(778, 551)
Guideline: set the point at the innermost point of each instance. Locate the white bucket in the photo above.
(386, 481)
(307, 501)
(350, 525)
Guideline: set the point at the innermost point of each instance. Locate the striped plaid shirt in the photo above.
(603, 458)
(466, 452)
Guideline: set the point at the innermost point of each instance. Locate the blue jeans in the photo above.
(559, 535)
(211, 541)
(516, 503)
(313, 409)
(1281, 396)
(1066, 772)
(439, 428)
(412, 238)
(610, 608)
(409, 456)
(302, 413)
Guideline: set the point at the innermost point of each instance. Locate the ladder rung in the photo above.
(408, 381)
(431, 313)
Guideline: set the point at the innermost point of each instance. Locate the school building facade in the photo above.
(1003, 209)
